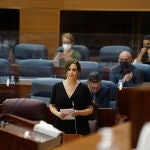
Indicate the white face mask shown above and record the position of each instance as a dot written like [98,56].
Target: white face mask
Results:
[66,47]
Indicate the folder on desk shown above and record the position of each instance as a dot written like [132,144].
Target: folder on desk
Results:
[47,129]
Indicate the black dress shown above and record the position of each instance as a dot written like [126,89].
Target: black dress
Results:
[81,99]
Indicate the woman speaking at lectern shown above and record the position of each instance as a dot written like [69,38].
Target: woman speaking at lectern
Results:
[71,102]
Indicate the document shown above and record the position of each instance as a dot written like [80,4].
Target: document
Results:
[68,113]
[47,129]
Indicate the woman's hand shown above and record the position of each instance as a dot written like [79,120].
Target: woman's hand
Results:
[66,55]
[61,115]
[143,51]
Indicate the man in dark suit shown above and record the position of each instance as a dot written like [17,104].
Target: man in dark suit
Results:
[101,94]
[125,71]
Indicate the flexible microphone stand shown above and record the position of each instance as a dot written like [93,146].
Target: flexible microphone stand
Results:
[75,119]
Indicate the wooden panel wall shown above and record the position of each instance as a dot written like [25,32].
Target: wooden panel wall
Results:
[39,20]
[40,26]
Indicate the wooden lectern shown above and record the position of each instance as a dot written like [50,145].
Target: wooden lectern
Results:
[13,135]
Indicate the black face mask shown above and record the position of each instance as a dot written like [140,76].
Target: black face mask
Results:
[125,66]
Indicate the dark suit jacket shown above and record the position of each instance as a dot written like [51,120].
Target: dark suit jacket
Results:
[103,97]
[116,74]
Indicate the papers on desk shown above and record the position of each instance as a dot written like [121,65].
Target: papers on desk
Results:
[143,142]
[68,113]
[47,129]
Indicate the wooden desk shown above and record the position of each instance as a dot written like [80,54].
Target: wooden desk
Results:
[123,101]
[14,91]
[122,139]
[12,136]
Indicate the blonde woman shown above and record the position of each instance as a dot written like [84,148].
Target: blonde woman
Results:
[67,52]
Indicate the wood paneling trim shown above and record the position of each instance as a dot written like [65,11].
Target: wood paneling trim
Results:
[41,4]
[10,4]
[106,5]
[30,4]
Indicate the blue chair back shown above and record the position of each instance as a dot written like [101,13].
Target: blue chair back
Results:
[4,51]
[36,68]
[145,68]
[30,51]
[5,70]
[42,88]
[87,67]
[109,54]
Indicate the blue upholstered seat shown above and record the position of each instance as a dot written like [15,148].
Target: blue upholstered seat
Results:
[30,51]
[42,88]
[4,51]
[109,54]
[84,51]
[5,70]
[36,68]
[87,67]
[145,68]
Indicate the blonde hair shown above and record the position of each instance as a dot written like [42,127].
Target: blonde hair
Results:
[68,36]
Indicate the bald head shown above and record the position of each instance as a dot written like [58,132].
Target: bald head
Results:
[125,56]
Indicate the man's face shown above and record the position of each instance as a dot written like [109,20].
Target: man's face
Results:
[94,87]
[125,57]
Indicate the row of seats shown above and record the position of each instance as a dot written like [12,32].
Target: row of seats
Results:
[32,68]
[108,55]
[43,68]
[36,51]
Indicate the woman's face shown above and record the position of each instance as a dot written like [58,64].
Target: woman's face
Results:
[72,72]
[146,43]
[66,44]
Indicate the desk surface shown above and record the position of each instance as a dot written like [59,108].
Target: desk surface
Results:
[14,133]
[122,138]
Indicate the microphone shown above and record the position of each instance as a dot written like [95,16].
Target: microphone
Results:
[73,104]
[75,119]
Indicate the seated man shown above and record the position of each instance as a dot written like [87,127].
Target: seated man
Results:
[125,71]
[101,94]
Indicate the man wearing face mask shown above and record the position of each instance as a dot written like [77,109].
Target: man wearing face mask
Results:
[125,71]
[144,54]
[66,52]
